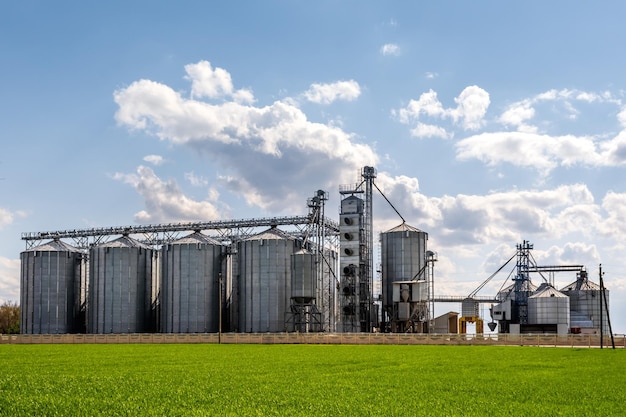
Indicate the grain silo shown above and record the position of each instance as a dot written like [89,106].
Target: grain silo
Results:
[586,305]
[403,253]
[264,280]
[548,310]
[120,288]
[50,289]
[189,291]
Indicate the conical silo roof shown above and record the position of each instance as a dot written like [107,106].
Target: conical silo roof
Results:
[547,290]
[54,246]
[581,285]
[272,233]
[404,228]
[124,242]
[194,238]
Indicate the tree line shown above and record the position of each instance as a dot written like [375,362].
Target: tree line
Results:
[9,318]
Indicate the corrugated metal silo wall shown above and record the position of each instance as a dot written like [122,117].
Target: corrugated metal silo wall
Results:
[402,257]
[304,277]
[548,310]
[587,301]
[120,290]
[49,301]
[264,284]
[189,288]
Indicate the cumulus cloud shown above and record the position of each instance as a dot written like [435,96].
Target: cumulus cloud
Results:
[328,93]
[7,217]
[472,105]
[265,152]
[529,150]
[423,130]
[207,82]
[494,217]
[154,159]
[390,49]
[195,180]
[165,201]
[9,280]
[542,152]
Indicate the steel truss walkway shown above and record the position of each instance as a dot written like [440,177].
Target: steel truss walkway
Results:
[225,230]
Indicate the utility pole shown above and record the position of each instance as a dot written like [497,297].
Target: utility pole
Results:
[601,308]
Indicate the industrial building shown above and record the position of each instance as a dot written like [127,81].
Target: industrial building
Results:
[282,274]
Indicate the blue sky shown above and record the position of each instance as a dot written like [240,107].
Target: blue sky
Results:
[489,123]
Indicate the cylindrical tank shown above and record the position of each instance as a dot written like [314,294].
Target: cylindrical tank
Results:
[120,288]
[585,303]
[189,292]
[303,277]
[548,306]
[264,280]
[50,289]
[403,250]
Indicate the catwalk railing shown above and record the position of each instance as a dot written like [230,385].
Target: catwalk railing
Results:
[570,340]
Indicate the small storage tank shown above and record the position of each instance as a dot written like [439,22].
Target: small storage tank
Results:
[585,302]
[189,291]
[264,280]
[549,306]
[50,289]
[120,288]
[403,252]
[303,277]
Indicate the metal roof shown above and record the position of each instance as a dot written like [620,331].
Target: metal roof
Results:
[124,242]
[272,233]
[582,285]
[547,290]
[195,238]
[404,228]
[54,246]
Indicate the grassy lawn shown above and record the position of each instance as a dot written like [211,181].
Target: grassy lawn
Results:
[325,380]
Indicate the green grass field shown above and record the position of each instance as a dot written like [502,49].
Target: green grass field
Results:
[308,380]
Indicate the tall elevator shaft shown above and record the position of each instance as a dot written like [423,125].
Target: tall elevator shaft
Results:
[357,312]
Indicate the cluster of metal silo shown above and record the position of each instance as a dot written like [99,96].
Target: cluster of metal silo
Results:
[121,288]
[50,289]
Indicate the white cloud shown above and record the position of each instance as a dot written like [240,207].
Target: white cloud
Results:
[472,105]
[621,117]
[154,159]
[518,114]
[9,280]
[165,201]
[207,82]
[328,93]
[500,216]
[542,152]
[423,130]
[431,75]
[195,180]
[390,49]
[7,217]
[270,151]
